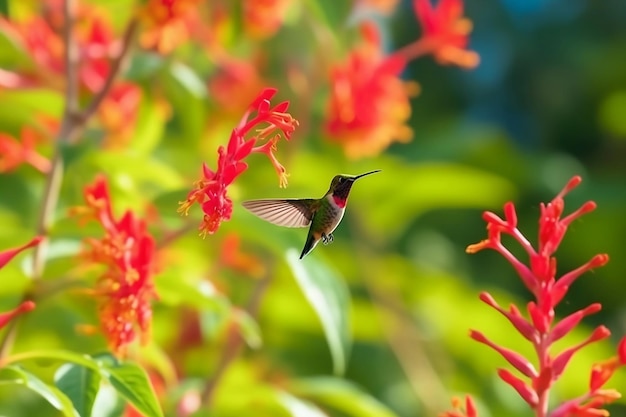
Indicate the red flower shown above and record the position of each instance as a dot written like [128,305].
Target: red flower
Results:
[263,18]
[541,328]
[5,257]
[8,254]
[167,23]
[461,409]
[126,289]
[369,104]
[118,113]
[445,33]
[210,190]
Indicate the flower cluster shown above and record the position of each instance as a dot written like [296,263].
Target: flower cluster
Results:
[167,23]
[127,252]
[211,190]
[542,328]
[5,258]
[369,104]
[40,37]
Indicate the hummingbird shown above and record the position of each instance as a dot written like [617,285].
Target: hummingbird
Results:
[322,215]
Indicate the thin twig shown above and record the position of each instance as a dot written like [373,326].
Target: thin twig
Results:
[235,341]
[116,66]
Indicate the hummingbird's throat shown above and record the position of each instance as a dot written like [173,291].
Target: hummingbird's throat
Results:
[339,202]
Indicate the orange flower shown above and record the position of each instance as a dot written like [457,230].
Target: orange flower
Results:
[369,104]
[125,290]
[445,33]
[263,18]
[167,23]
[15,152]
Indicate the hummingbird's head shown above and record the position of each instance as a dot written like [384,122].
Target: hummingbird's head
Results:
[341,184]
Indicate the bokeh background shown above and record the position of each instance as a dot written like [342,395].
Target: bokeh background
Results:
[547,102]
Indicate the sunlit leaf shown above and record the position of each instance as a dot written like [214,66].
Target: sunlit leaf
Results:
[330,298]
[81,386]
[132,383]
[50,393]
[298,407]
[342,396]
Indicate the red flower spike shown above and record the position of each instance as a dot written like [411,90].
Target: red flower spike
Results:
[526,392]
[495,220]
[6,317]
[560,362]
[518,361]
[211,190]
[544,381]
[564,326]
[8,254]
[539,319]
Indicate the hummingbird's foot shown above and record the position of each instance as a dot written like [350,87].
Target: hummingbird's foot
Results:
[327,238]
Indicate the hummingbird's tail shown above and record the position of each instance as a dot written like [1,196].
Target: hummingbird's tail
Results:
[311,241]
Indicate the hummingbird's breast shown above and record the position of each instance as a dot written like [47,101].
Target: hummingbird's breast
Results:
[331,219]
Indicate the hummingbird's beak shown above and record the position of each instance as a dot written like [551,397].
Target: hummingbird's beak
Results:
[367,173]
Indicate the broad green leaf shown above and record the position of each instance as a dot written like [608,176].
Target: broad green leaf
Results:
[342,396]
[329,296]
[298,407]
[50,393]
[132,383]
[129,380]
[81,386]
[108,403]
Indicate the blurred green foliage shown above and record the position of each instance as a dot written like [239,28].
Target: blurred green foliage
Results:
[390,336]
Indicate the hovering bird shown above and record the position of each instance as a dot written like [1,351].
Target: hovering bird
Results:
[323,215]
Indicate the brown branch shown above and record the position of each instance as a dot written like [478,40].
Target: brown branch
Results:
[72,125]
[234,341]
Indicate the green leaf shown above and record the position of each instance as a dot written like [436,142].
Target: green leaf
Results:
[329,296]
[298,407]
[131,382]
[80,384]
[341,395]
[53,395]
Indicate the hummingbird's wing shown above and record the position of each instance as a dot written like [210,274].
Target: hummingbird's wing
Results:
[288,213]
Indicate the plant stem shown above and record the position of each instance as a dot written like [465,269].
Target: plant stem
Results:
[72,125]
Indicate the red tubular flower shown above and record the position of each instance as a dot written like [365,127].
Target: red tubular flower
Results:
[369,103]
[125,290]
[542,328]
[6,317]
[445,33]
[8,254]
[211,190]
